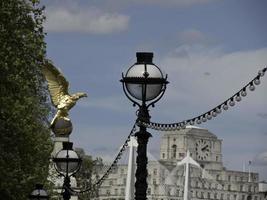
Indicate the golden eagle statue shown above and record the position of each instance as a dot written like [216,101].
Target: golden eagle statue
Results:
[58,87]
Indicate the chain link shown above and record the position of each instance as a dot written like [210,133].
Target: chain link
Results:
[171,127]
[211,113]
[95,187]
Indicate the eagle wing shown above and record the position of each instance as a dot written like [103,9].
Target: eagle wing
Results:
[57,84]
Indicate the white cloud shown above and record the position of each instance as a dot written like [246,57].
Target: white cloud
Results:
[109,103]
[178,3]
[193,36]
[261,159]
[189,65]
[84,20]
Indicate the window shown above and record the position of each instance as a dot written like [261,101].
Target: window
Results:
[241,188]
[215,196]
[202,195]
[208,195]
[229,178]
[228,196]
[229,187]
[149,191]
[110,183]
[222,195]
[122,191]
[174,148]
[116,191]
[181,155]
[217,177]
[155,171]
[163,155]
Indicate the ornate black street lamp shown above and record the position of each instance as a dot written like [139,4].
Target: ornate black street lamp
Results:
[38,193]
[144,85]
[67,163]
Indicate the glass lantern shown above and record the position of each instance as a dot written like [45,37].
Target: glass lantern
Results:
[67,161]
[38,193]
[144,80]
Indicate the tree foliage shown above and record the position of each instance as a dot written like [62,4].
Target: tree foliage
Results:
[85,175]
[25,143]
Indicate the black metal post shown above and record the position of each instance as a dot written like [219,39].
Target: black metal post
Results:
[66,194]
[141,160]
[144,78]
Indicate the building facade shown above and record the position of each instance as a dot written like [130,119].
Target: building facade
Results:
[166,178]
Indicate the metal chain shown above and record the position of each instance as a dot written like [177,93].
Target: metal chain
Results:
[174,126]
[209,114]
[92,189]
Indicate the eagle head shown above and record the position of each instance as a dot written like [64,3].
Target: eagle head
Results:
[79,95]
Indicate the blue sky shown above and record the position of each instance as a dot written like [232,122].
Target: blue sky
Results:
[208,48]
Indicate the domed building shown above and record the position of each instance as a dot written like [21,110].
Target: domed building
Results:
[210,181]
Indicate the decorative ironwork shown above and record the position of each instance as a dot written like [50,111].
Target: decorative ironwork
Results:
[144,82]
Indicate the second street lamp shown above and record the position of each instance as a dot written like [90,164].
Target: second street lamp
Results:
[144,85]
[67,163]
[38,193]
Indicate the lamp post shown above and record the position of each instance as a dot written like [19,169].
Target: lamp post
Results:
[38,193]
[144,85]
[67,163]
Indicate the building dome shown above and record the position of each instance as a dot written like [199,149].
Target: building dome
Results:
[62,127]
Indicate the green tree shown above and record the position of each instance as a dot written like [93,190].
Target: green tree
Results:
[25,143]
[85,175]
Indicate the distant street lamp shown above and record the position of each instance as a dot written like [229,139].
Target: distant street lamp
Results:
[67,163]
[38,193]
[144,85]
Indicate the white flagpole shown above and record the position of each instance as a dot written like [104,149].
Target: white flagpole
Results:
[249,171]
[186,180]
[129,193]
